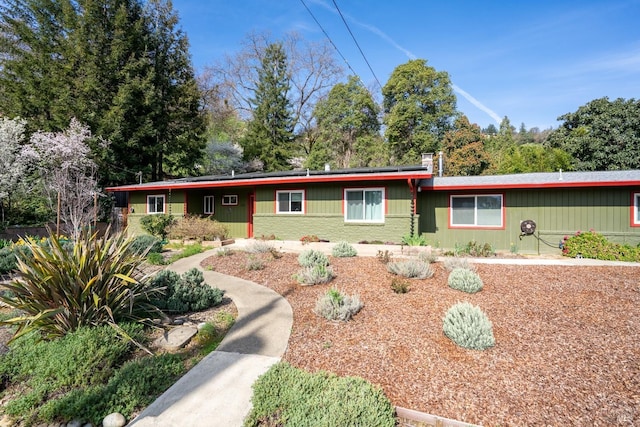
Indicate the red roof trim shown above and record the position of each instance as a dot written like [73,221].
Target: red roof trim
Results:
[545,185]
[273,181]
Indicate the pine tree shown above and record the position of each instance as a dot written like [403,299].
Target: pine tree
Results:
[270,132]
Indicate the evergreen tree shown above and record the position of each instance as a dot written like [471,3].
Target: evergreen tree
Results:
[348,127]
[270,132]
[464,149]
[419,106]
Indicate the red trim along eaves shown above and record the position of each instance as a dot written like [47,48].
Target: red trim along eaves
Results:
[272,181]
[472,187]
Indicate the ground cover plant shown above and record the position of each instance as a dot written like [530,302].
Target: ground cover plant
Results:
[286,396]
[566,339]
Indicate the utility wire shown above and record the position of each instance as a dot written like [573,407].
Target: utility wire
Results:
[329,38]
[356,42]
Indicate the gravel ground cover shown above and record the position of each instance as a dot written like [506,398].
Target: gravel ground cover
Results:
[567,339]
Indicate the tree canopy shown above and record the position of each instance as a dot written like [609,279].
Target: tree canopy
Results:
[120,66]
[601,135]
[419,106]
[464,150]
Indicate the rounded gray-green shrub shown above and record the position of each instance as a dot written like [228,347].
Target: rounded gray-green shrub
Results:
[186,292]
[334,305]
[343,249]
[412,268]
[317,274]
[312,257]
[468,326]
[465,280]
[146,243]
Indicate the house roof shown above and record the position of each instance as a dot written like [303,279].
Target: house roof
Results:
[286,177]
[559,179]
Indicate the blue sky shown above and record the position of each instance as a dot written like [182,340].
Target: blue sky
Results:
[530,61]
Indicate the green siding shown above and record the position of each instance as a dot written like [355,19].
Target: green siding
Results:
[174,205]
[235,218]
[557,212]
[324,214]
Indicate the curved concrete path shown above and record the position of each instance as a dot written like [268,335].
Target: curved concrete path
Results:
[217,391]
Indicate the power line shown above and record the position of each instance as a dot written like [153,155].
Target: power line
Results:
[329,38]
[356,42]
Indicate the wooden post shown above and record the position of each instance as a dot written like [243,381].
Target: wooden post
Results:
[95,211]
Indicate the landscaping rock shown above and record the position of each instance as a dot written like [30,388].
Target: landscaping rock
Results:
[176,338]
[75,423]
[114,420]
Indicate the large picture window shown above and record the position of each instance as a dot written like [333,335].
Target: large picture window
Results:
[290,202]
[364,205]
[155,204]
[209,206]
[482,210]
[635,219]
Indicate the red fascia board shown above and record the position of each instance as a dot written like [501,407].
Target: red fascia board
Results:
[527,186]
[272,181]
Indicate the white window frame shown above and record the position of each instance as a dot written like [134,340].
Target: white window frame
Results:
[290,192]
[230,200]
[155,204]
[635,219]
[209,205]
[475,211]
[365,190]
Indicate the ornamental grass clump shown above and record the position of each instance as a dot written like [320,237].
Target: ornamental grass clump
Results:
[312,257]
[412,268]
[334,305]
[468,326]
[97,282]
[317,274]
[451,263]
[193,227]
[343,250]
[465,280]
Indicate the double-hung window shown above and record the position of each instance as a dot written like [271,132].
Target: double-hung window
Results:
[364,205]
[635,219]
[155,204]
[290,202]
[209,206]
[482,211]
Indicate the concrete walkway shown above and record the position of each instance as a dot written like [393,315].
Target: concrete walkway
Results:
[217,391]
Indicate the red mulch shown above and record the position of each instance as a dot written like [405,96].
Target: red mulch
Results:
[567,340]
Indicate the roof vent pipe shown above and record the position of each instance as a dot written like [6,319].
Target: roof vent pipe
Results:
[327,167]
[440,164]
[560,179]
[233,173]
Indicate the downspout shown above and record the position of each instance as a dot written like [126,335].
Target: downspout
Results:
[414,195]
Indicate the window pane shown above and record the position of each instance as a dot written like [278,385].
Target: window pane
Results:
[490,210]
[283,202]
[296,202]
[355,205]
[151,204]
[637,208]
[462,210]
[373,200]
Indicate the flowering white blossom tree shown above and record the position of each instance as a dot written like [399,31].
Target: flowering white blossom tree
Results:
[68,173]
[12,164]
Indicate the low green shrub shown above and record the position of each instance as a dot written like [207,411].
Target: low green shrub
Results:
[317,274]
[468,326]
[593,245]
[157,224]
[343,249]
[185,293]
[412,268]
[135,385]
[399,286]
[465,280]
[192,227]
[287,396]
[4,243]
[8,260]
[336,306]
[312,257]
[187,251]
[414,240]
[85,357]
[146,244]
[155,258]
[451,263]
